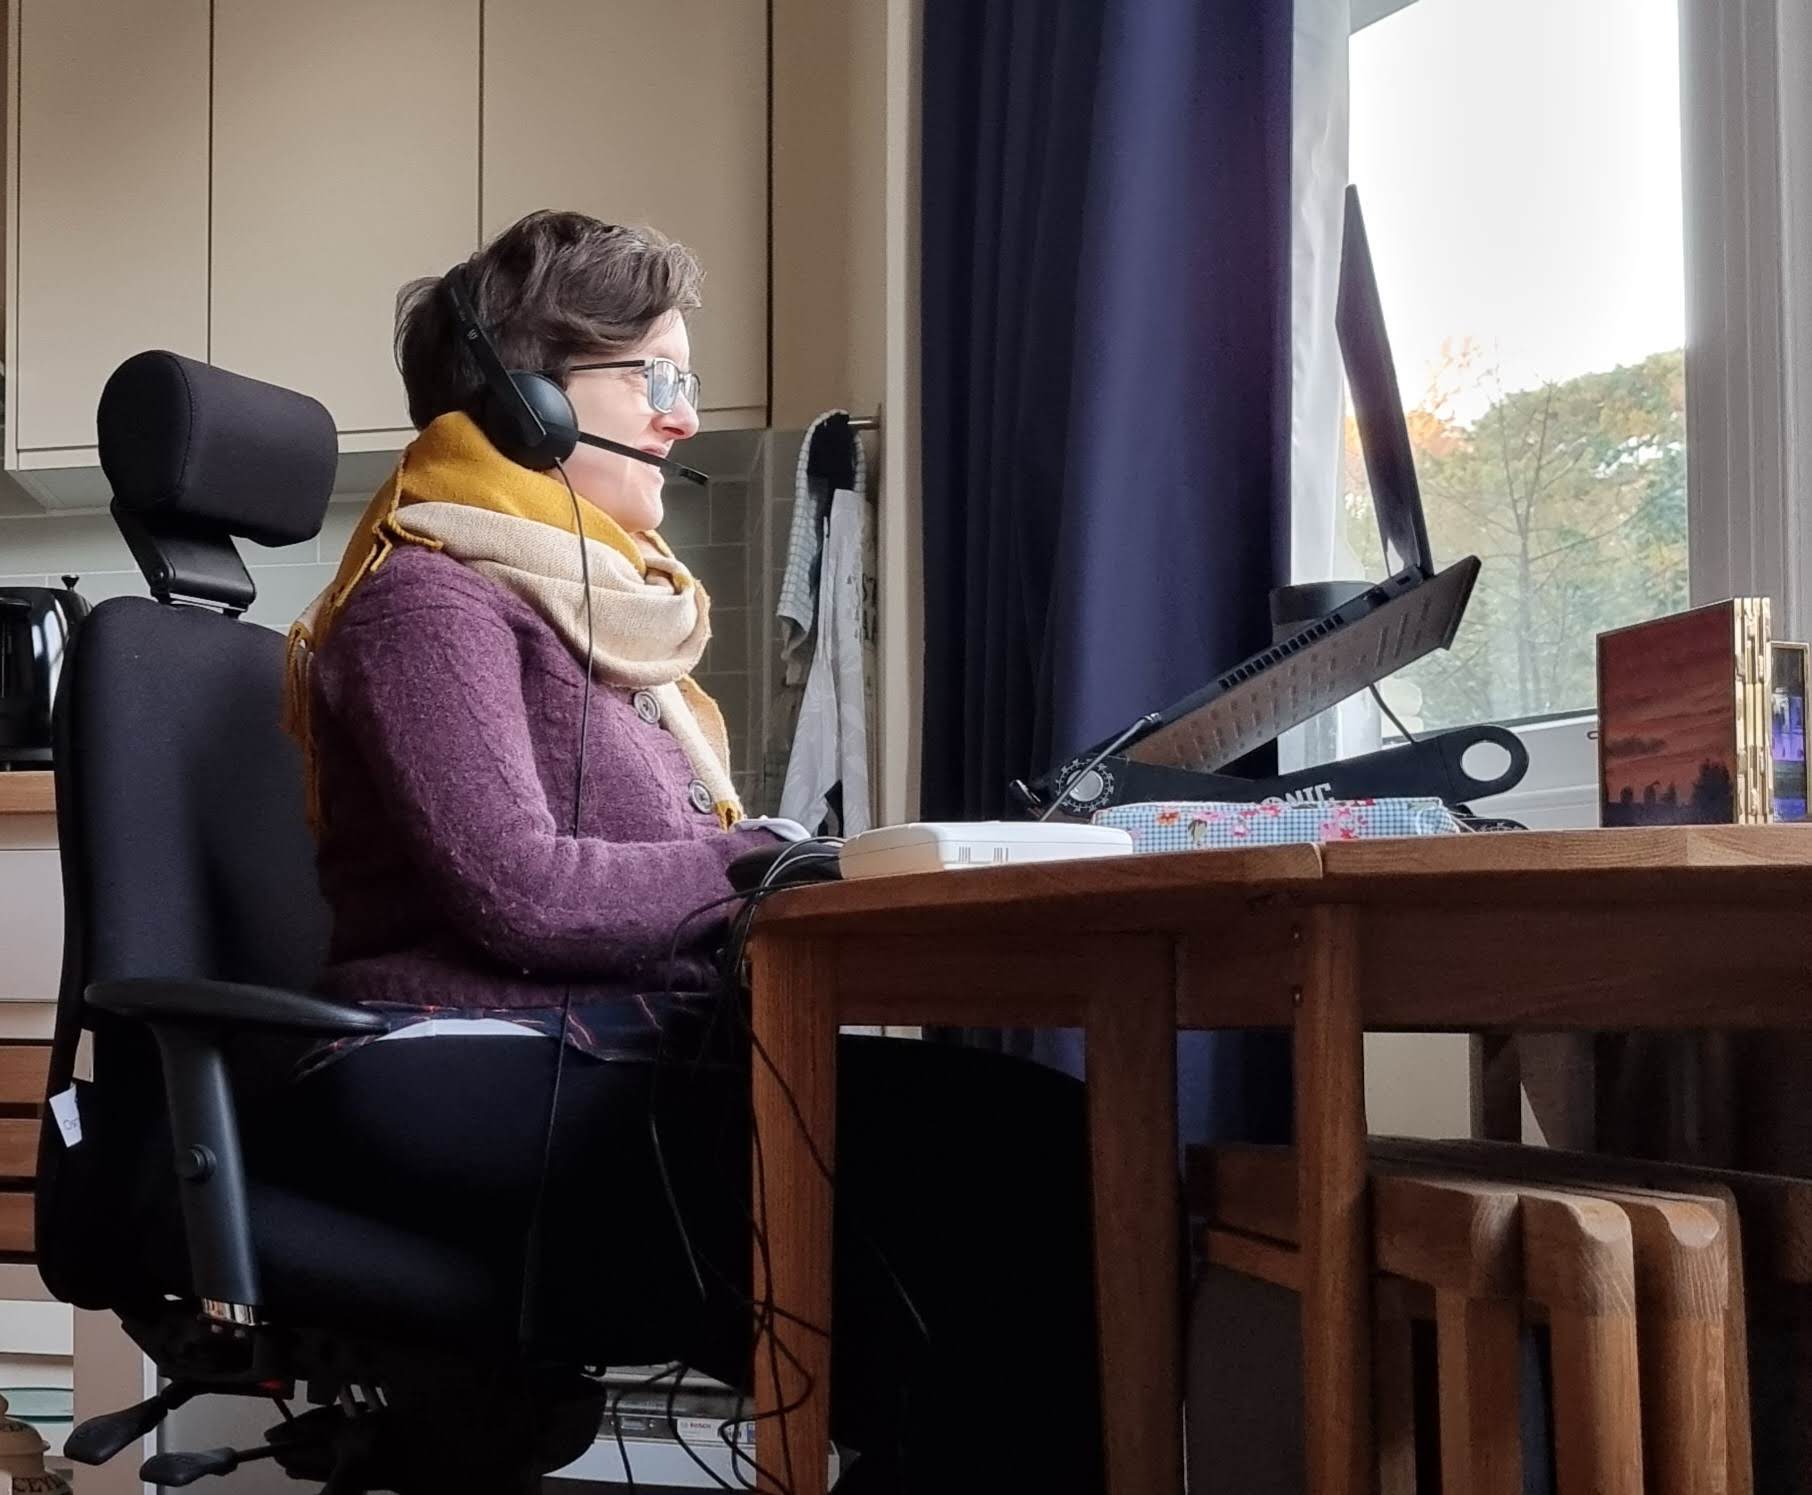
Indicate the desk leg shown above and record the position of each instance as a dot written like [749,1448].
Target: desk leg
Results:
[1336,1256]
[1132,1090]
[795,1022]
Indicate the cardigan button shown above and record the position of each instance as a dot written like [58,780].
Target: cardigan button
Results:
[646,707]
[702,798]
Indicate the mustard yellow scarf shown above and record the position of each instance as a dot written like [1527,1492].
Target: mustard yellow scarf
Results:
[647,618]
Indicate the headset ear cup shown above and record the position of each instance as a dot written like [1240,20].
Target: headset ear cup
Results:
[500,428]
[555,411]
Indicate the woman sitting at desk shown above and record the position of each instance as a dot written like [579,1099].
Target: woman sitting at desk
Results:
[537,859]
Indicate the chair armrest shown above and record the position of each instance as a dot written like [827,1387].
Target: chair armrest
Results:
[191,1021]
[228,1005]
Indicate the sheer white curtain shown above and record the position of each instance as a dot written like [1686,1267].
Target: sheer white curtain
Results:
[1318,179]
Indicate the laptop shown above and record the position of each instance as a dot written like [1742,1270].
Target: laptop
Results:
[1386,627]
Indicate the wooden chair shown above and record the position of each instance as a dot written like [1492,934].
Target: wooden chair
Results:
[1770,1245]
[1682,1299]
[1484,1249]
[1397,1305]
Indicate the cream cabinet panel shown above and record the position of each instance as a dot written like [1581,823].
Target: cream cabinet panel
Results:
[653,114]
[111,174]
[345,165]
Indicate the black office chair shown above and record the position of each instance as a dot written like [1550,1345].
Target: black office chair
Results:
[194,934]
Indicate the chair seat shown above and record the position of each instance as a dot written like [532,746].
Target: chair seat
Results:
[329,1267]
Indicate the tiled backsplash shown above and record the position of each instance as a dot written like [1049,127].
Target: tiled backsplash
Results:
[710,531]
[38,549]
[733,535]
[779,703]
[736,542]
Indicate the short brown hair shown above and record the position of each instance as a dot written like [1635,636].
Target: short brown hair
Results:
[551,290]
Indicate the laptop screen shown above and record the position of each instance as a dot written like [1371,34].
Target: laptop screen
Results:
[1377,405]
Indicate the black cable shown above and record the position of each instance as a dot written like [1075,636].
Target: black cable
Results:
[616,1427]
[740,930]
[654,1126]
[726,1434]
[680,1438]
[614,1411]
[767,1311]
[616,1414]
[729,988]
[765,1308]
[677,1372]
[590,642]
[773,1334]
[1113,745]
[829,1175]
[531,1247]
[770,1310]
[1395,720]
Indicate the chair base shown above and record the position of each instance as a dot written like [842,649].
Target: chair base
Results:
[383,1419]
[494,1440]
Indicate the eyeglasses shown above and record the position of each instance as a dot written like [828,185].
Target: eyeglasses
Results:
[667,381]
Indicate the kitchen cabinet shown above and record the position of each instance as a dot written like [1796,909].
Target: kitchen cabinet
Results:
[829,246]
[250,182]
[345,165]
[645,114]
[109,206]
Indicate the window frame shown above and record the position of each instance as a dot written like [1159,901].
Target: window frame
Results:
[1746,70]
[1746,159]
[1746,162]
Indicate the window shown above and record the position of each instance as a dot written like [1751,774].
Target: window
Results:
[1519,166]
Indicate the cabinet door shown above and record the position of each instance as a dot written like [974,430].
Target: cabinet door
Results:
[652,114]
[345,165]
[112,205]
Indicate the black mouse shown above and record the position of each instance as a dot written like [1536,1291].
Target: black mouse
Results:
[787,865]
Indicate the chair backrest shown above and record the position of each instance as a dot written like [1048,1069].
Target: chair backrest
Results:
[179,796]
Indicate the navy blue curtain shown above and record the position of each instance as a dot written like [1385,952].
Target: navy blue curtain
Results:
[1105,339]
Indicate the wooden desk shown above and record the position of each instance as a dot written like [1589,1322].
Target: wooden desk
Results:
[1675,928]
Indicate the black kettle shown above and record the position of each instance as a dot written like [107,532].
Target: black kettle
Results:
[35,628]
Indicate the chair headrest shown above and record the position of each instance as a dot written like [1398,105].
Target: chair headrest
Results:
[182,440]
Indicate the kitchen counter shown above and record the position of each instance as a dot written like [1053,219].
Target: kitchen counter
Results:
[26,792]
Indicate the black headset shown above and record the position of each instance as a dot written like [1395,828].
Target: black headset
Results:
[527,415]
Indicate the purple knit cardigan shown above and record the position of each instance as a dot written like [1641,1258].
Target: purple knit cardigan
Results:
[446,714]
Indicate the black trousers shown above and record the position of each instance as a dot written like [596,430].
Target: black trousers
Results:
[964,1357]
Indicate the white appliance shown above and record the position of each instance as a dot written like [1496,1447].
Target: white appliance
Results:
[953,845]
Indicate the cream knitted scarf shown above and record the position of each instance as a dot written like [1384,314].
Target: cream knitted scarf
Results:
[650,619]
[647,631]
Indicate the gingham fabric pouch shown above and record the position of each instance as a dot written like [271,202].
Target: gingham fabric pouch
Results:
[1195,825]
